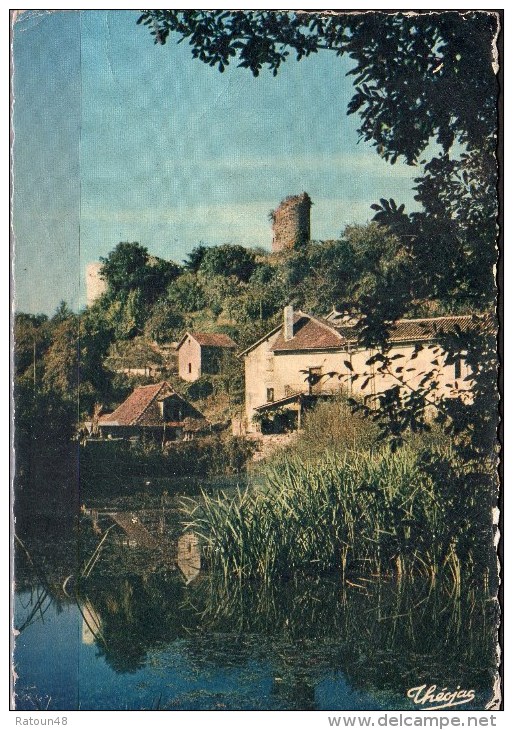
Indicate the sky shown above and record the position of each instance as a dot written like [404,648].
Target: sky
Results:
[117,139]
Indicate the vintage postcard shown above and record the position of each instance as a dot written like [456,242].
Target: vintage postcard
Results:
[255,372]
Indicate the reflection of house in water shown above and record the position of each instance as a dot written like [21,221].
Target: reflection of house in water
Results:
[154,410]
[188,556]
[91,624]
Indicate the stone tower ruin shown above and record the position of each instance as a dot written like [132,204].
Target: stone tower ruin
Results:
[95,285]
[291,222]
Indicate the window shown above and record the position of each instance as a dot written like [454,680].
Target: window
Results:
[270,395]
[457,368]
[190,368]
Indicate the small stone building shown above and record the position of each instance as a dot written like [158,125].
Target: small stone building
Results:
[154,410]
[202,353]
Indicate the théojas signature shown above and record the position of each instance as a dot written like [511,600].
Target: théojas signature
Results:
[432,698]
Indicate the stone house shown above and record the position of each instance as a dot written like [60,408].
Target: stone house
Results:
[202,353]
[156,411]
[306,358]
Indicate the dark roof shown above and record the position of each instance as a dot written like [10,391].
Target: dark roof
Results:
[298,397]
[141,407]
[209,339]
[281,402]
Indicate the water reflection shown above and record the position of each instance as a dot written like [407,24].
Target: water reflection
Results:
[188,557]
[91,624]
[147,627]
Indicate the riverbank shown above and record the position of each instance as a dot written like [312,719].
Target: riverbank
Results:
[118,467]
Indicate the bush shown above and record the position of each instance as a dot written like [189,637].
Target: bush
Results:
[329,426]
[199,389]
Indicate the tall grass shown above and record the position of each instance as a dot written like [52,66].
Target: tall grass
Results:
[358,513]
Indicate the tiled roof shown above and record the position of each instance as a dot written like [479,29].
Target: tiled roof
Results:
[132,409]
[297,316]
[211,339]
[419,330]
[309,334]
[427,329]
[313,334]
[141,408]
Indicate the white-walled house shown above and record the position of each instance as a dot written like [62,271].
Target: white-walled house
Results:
[307,357]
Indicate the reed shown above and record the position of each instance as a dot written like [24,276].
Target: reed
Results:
[377,513]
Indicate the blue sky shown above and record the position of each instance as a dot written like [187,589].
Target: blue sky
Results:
[118,139]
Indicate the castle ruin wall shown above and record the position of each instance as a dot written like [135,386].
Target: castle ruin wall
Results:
[291,222]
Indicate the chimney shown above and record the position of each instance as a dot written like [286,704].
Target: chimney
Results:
[288,323]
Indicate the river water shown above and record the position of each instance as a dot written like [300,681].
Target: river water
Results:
[148,629]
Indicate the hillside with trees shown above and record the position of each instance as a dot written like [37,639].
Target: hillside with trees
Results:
[75,360]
